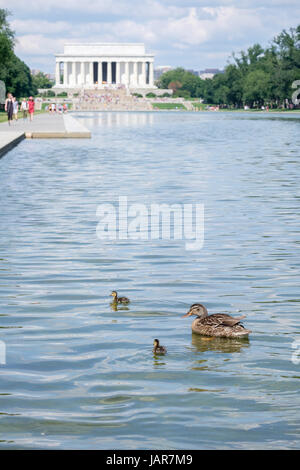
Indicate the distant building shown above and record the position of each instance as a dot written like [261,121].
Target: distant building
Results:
[209,73]
[194,72]
[100,65]
[160,69]
[34,71]
[50,76]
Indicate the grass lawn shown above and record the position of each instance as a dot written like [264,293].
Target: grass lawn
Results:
[3,115]
[168,106]
[203,106]
[200,106]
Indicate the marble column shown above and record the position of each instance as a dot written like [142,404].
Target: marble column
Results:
[109,73]
[144,73]
[118,77]
[100,74]
[65,81]
[74,73]
[151,77]
[91,73]
[135,73]
[127,77]
[82,77]
[57,74]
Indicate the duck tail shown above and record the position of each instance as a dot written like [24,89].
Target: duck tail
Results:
[232,321]
[242,332]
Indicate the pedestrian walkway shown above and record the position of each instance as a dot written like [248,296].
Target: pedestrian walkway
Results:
[43,126]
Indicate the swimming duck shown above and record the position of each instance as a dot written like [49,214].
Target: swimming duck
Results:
[119,300]
[157,348]
[218,324]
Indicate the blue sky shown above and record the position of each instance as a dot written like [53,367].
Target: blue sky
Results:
[193,33]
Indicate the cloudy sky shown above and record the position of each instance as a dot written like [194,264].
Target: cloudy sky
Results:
[193,33]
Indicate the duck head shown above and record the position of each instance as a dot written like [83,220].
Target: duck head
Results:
[114,295]
[197,309]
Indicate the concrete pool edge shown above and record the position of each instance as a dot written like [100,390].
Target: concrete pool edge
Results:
[9,140]
[58,135]
[44,126]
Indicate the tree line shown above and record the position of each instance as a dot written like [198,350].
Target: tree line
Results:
[256,77]
[13,71]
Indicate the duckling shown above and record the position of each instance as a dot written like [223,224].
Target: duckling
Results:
[218,324]
[119,300]
[157,348]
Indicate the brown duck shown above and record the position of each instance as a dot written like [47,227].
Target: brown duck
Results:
[158,349]
[119,300]
[218,324]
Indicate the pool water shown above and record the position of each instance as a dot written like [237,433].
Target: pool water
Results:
[79,373]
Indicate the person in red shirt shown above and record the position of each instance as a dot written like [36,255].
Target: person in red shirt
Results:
[31,107]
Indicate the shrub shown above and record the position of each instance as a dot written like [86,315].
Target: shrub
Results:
[151,95]
[63,94]
[182,94]
[171,106]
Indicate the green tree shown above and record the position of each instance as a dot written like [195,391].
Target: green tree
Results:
[6,43]
[13,71]
[286,47]
[19,79]
[40,80]
[256,76]
[234,81]
[190,83]
[257,88]
[175,75]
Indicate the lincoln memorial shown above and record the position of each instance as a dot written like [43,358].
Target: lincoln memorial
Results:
[97,65]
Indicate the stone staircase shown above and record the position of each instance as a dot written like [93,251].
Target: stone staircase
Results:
[111,99]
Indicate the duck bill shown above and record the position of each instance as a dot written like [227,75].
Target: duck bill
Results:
[186,315]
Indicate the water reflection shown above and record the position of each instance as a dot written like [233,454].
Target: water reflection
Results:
[111,119]
[158,360]
[224,345]
[115,307]
[90,362]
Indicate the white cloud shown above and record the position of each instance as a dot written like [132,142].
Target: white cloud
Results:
[118,8]
[38,44]
[184,30]
[40,27]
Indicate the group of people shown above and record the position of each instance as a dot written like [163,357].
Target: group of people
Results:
[106,97]
[12,108]
[58,108]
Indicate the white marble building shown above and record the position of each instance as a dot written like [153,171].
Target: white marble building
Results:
[98,65]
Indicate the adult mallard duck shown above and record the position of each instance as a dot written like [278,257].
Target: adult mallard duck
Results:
[158,349]
[119,300]
[218,324]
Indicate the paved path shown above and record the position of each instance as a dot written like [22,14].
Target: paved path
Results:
[43,126]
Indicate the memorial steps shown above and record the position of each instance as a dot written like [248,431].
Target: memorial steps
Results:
[110,100]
